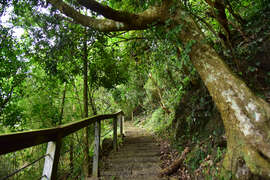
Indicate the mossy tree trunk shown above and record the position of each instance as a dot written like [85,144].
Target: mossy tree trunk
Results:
[246,117]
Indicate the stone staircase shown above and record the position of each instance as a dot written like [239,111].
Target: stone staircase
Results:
[136,159]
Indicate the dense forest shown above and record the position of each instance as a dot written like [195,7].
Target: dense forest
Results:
[194,72]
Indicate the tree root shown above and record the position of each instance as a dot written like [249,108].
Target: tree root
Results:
[175,165]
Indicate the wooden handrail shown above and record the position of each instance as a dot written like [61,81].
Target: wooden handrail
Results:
[20,140]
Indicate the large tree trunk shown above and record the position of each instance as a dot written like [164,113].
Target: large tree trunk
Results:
[246,117]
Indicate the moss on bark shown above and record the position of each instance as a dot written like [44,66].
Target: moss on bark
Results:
[245,116]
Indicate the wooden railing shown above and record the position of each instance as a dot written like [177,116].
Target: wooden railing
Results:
[53,136]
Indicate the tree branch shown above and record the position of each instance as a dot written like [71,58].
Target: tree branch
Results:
[137,22]
[108,12]
[115,35]
[125,40]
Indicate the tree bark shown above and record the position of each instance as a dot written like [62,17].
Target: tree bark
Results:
[78,99]
[245,116]
[119,21]
[71,145]
[62,104]
[92,102]
[86,165]
[71,152]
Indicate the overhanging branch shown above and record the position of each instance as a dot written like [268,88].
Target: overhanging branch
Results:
[137,22]
[127,39]
[102,25]
[108,12]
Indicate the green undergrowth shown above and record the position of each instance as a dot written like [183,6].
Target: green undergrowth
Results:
[155,121]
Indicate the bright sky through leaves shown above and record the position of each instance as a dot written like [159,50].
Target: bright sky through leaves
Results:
[4,21]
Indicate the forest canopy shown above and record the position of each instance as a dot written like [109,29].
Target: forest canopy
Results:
[177,66]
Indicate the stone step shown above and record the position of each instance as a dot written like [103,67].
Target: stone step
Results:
[128,165]
[139,177]
[137,141]
[138,149]
[140,146]
[140,138]
[154,170]
[134,153]
[138,158]
[134,159]
[126,172]
[130,171]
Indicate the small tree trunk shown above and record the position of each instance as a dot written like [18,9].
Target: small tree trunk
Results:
[77,97]
[71,152]
[92,103]
[71,164]
[168,111]
[246,117]
[86,165]
[62,104]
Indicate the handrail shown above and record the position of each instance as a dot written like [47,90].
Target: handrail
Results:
[20,140]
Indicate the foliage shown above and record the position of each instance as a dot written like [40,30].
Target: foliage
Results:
[13,69]
[146,73]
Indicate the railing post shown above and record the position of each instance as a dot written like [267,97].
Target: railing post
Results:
[120,120]
[123,124]
[95,172]
[115,133]
[51,160]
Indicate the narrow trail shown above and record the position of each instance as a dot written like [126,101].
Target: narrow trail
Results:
[136,159]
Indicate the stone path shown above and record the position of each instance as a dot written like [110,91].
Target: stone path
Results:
[136,159]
